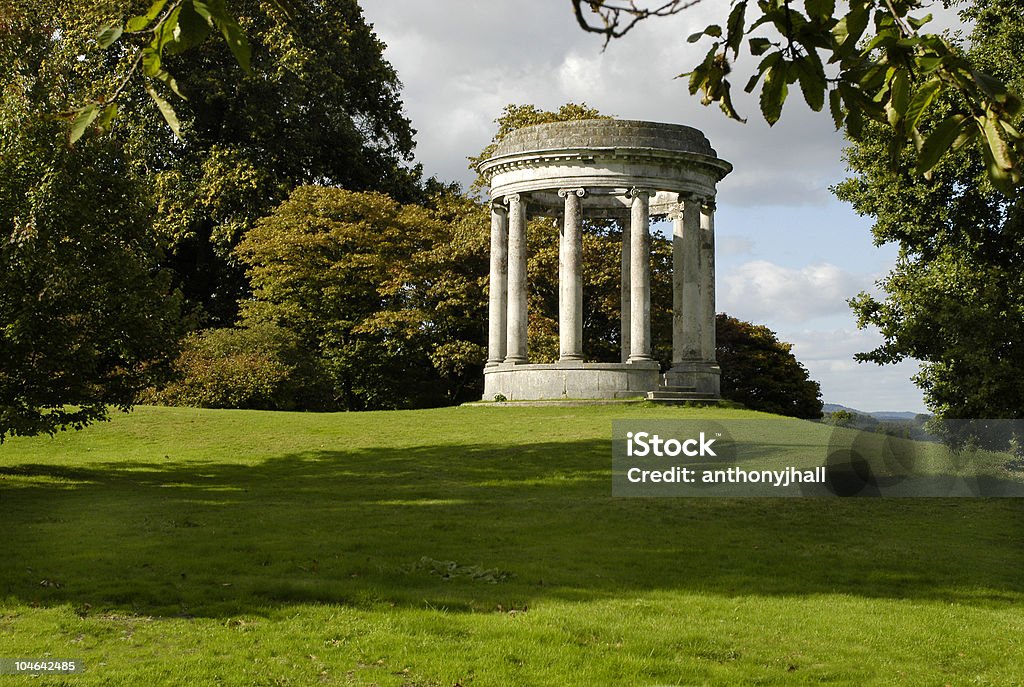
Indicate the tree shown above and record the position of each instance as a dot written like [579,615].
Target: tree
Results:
[955,299]
[761,372]
[867,58]
[262,367]
[320,105]
[86,316]
[387,297]
[298,93]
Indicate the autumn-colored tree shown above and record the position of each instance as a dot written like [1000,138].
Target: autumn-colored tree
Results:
[387,297]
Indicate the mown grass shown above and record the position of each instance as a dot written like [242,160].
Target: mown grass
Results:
[475,546]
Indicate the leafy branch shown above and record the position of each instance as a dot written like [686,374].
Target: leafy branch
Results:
[880,68]
[166,28]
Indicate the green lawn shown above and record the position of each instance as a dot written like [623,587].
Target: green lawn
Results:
[475,546]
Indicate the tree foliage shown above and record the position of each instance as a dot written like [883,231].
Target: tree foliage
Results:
[761,372]
[867,59]
[319,105]
[955,299]
[314,101]
[388,298]
[515,117]
[261,367]
[85,313]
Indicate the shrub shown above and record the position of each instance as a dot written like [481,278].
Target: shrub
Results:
[259,367]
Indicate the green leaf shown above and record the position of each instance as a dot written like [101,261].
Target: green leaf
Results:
[140,22]
[214,11]
[759,46]
[812,81]
[767,63]
[849,29]
[81,122]
[899,91]
[822,9]
[193,29]
[1002,177]
[1001,153]
[1010,129]
[107,35]
[921,101]
[107,116]
[697,78]
[927,65]
[734,36]
[712,30]
[895,148]
[854,122]
[997,91]
[150,62]
[171,83]
[918,23]
[165,31]
[166,110]
[773,92]
[881,40]
[939,141]
[725,103]
[835,106]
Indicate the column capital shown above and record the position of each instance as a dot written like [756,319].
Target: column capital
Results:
[564,192]
[499,204]
[690,197]
[710,205]
[513,197]
[635,192]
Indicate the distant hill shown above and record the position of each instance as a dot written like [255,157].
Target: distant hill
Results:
[880,415]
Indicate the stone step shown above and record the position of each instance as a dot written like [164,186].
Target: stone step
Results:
[680,389]
[664,396]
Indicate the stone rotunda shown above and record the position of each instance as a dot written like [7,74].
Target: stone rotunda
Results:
[629,171]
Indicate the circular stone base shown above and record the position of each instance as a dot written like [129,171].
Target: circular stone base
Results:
[570,380]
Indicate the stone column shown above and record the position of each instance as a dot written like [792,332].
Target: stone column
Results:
[497,336]
[625,322]
[640,276]
[707,281]
[570,278]
[686,282]
[516,346]
[693,289]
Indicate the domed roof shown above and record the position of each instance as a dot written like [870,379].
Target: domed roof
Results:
[605,133]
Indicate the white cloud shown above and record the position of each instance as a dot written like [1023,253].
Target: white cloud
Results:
[828,356]
[731,246]
[461,62]
[763,291]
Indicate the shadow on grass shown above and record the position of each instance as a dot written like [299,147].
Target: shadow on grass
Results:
[466,528]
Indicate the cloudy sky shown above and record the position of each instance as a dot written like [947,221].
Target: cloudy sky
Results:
[789,254]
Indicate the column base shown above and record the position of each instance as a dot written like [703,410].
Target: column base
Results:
[514,361]
[701,376]
[579,381]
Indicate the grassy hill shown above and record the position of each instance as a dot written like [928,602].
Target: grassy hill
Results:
[475,546]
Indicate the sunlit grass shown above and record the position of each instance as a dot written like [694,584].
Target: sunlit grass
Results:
[475,546]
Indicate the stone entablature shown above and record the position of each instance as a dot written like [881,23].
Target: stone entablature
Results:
[600,168]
